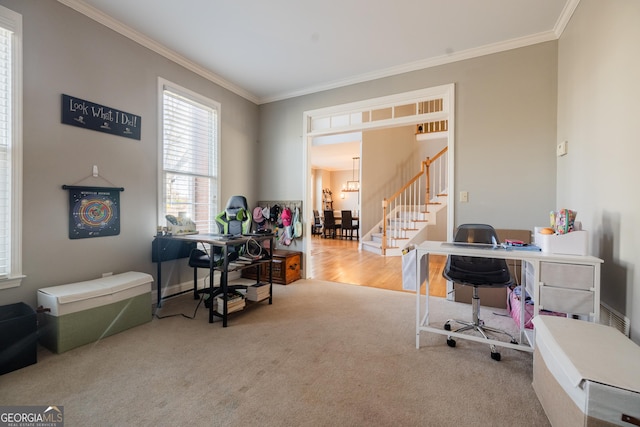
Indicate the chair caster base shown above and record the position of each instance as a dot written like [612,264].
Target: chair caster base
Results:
[495,356]
[451,342]
[447,326]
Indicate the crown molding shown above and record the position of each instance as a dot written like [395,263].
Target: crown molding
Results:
[109,22]
[565,16]
[422,64]
[100,17]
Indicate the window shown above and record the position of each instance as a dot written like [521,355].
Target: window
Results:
[10,148]
[189,181]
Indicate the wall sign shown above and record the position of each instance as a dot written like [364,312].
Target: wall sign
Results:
[88,115]
[93,211]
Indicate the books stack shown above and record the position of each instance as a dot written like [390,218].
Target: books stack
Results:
[258,292]
[235,302]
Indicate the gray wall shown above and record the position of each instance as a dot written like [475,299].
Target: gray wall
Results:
[66,52]
[598,93]
[505,135]
[397,165]
[506,111]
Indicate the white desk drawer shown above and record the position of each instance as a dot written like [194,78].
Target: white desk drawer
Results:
[566,300]
[574,276]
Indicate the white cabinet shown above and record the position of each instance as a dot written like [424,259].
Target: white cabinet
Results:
[566,287]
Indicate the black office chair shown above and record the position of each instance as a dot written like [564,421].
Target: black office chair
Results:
[477,272]
[347,225]
[235,220]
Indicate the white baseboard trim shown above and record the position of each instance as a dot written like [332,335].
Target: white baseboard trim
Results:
[177,288]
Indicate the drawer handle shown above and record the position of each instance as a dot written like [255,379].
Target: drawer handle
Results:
[293,266]
[629,419]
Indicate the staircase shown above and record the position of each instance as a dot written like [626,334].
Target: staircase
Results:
[409,214]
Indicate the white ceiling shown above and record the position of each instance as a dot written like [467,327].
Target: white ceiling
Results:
[270,50]
[277,49]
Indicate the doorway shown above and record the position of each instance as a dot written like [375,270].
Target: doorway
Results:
[405,109]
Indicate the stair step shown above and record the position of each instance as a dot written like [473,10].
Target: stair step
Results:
[372,243]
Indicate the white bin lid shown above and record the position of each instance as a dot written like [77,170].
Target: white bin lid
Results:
[98,287]
[590,351]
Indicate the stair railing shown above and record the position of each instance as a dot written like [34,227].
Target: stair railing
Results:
[411,202]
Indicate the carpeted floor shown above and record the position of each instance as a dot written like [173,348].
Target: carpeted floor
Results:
[323,354]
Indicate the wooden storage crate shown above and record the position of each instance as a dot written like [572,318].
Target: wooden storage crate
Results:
[286,268]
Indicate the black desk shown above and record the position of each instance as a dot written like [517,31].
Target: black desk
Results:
[167,248]
[164,248]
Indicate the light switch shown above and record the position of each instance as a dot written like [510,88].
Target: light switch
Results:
[464,196]
[561,149]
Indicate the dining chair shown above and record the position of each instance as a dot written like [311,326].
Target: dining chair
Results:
[330,227]
[348,226]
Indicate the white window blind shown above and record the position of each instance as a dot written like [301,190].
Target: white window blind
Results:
[10,148]
[190,147]
[5,152]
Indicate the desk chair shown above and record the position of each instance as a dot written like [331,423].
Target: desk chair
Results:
[235,219]
[477,272]
[347,225]
[330,226]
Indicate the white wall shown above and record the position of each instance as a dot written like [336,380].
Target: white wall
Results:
[599,116]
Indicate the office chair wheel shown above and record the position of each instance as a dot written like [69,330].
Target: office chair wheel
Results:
[495,356]
[451,342]
[514,341]
[447,326]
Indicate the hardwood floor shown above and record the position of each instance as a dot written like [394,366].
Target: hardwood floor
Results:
[339,260]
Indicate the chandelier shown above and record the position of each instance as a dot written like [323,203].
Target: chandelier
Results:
[353,185]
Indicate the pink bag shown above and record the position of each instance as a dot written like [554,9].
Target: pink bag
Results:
[513,306]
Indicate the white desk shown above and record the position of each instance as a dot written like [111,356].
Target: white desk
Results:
[567,283]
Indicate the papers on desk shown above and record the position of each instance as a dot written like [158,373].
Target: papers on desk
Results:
[489,246]
[532,248]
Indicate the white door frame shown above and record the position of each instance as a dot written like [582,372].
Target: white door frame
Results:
[348,118]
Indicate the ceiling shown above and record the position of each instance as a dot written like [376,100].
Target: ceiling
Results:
[267,51]
[277,49]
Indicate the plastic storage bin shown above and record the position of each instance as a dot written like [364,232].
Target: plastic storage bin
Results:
[85,312]
[18,337]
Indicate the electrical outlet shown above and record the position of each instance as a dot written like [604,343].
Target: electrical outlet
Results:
[464,196]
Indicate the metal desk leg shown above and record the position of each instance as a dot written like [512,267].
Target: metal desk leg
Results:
[159,284]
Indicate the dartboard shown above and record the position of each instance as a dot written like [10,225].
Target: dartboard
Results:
[93,213]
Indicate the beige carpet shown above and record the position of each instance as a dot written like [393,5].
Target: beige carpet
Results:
[324,354]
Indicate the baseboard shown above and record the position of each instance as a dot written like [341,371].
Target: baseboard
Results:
[178,288]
